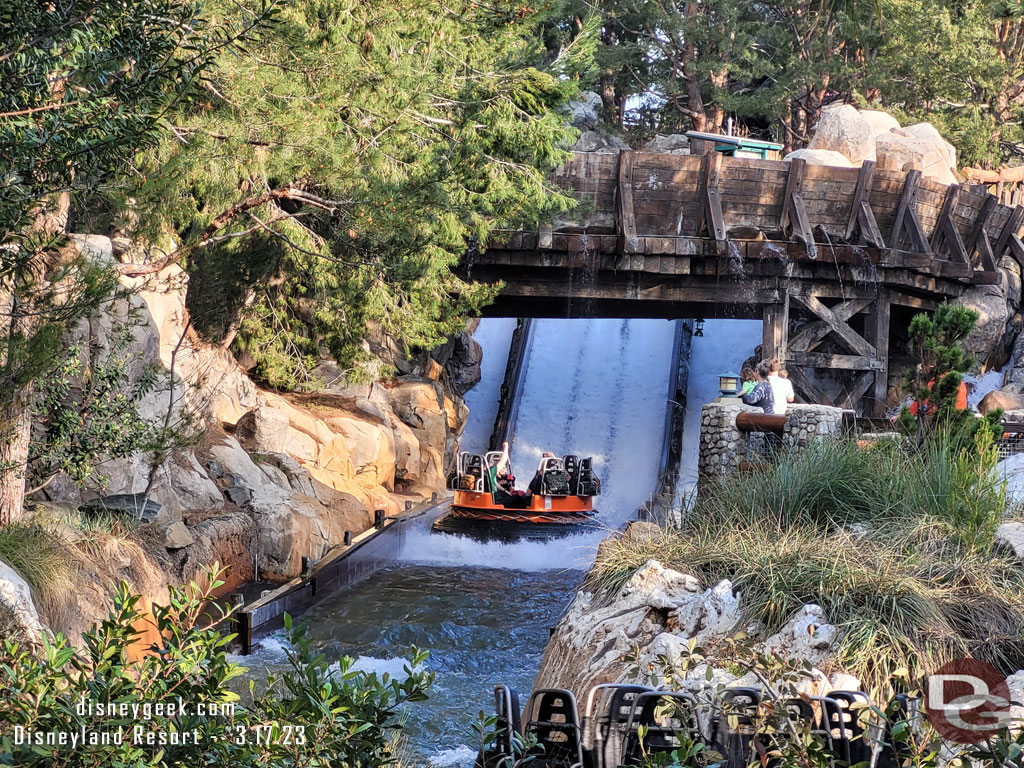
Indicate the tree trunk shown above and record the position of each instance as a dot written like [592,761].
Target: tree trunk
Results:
[15,429]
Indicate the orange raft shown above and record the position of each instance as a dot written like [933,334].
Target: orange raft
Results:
[559,500]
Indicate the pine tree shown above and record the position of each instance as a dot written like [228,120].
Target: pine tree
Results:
[337,173]
[83,86]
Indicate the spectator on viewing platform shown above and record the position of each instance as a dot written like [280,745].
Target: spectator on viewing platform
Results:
[749,380]
[782,388]
[761,395]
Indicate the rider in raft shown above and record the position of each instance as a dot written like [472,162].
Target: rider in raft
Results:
[502,484]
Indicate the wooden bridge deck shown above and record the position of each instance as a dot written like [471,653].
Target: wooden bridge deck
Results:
[706,235]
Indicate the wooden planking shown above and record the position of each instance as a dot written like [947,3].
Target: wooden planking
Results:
[847,176]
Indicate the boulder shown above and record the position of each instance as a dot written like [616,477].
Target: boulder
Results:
[584,112]
[598,141]
[673,144]
[177,536]
[301,525]
[420,405]
[227,451]
[658,613]
[880,122]
[194,488]
[1010,540]
[371,448]
[928,132]
[988,335]
[1000,399]
[1014,379]
[819,157]
[16,598]
[842,129]
[262,429]
[898,152]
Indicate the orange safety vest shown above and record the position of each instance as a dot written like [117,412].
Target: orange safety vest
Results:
[961,397]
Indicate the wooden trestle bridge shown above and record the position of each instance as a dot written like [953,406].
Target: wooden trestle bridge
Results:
[833,260]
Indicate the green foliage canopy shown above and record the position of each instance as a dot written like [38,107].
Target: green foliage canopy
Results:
[336,174]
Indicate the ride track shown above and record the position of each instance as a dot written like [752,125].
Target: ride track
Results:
[828,258]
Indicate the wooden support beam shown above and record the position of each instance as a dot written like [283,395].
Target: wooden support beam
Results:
[860,386]
[545,237]
[978,230]
[946,237]
[709,198]
[774,329]
[877,331]
[794,213]
[812,333]
[807,389]
[627,214]
[1017,250]
[861,215]
[1012,228]
[906,221]
[844,333]
[839,362]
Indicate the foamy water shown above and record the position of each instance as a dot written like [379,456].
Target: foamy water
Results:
[595,388]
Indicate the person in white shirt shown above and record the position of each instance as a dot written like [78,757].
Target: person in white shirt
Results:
[782,388]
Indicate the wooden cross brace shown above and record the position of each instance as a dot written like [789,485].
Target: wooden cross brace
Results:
[906,222]
[946,238]
[793,219]
[709,198]
[861,215]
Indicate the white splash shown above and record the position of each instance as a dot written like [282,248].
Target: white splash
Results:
[394,668]
[457,757]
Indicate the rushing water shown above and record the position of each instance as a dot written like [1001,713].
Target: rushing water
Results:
[481,627]
[592,387]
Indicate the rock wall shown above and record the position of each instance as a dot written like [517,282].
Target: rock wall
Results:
[724,448]
[261,478]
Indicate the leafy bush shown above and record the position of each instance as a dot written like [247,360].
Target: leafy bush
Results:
[313,714]
[894,542]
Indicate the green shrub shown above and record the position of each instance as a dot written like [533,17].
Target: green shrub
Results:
[313,714]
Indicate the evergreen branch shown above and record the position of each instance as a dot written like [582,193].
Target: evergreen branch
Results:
[209,235]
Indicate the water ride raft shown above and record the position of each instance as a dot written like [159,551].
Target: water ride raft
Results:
[559,500]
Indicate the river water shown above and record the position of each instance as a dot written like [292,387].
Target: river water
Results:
[484,610]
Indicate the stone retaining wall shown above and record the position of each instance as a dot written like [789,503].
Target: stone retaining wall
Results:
[724,448]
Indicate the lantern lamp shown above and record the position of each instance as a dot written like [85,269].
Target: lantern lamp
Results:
[699,327]
[728,383]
